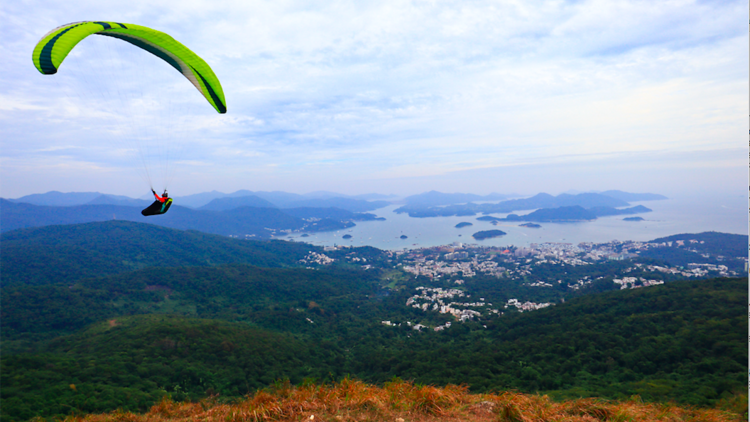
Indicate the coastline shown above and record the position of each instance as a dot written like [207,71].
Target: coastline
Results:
[669,217]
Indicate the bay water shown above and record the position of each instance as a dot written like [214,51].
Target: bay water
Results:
[696,214]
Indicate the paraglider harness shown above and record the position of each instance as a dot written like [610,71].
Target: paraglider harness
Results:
[160,206]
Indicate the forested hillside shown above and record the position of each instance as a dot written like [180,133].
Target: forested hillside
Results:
[687,247]
[64,254]
[682,341]
[265,296]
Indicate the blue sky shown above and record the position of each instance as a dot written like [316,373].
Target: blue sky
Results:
[390,96]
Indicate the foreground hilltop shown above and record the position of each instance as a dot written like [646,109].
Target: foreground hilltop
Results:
[350,400]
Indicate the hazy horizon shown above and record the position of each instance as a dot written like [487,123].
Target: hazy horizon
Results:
[392,196]
[394,97]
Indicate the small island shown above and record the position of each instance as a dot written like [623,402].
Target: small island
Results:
[633,219]
[488,234]
[305,235]
[403,236]
[347,236]
[463,224]
[530,225]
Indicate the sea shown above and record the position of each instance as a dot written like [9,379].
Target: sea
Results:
[669,217]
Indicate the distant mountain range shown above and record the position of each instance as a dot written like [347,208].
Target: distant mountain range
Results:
[264,214]
[541,200]
[322,199]
[225,204]
[218,201]
[255,222]
[633,197]
[69,199]
[435,198]
[242,213]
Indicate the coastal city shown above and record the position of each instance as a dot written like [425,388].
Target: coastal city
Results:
[547,265]
[517,263]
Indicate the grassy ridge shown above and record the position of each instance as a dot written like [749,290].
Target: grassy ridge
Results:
[351,400]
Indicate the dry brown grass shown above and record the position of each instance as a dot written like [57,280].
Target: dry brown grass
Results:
[400,401]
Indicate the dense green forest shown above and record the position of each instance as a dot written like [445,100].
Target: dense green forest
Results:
[235,293]
[132,362]
[660,343]
[110,315]
[64,254]
[682,341]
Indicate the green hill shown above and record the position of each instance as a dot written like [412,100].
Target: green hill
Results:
[714,243]
[701,248]
[65,254]
[239,292]
[131,363]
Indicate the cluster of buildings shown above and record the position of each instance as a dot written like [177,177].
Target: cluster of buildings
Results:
[516,263]
[447,301]
[526,306]
[435,299]
[635,282]
[466,261]
[316,258]
[413,326]
[437,268]
[693,270]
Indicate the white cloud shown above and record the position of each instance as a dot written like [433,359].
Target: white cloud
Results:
[346,90]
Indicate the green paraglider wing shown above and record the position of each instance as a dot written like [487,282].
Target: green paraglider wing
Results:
[52,49]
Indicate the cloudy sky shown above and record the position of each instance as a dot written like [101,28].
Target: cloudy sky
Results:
[390,96]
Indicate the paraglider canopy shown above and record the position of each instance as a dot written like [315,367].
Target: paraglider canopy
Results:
[52,49]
